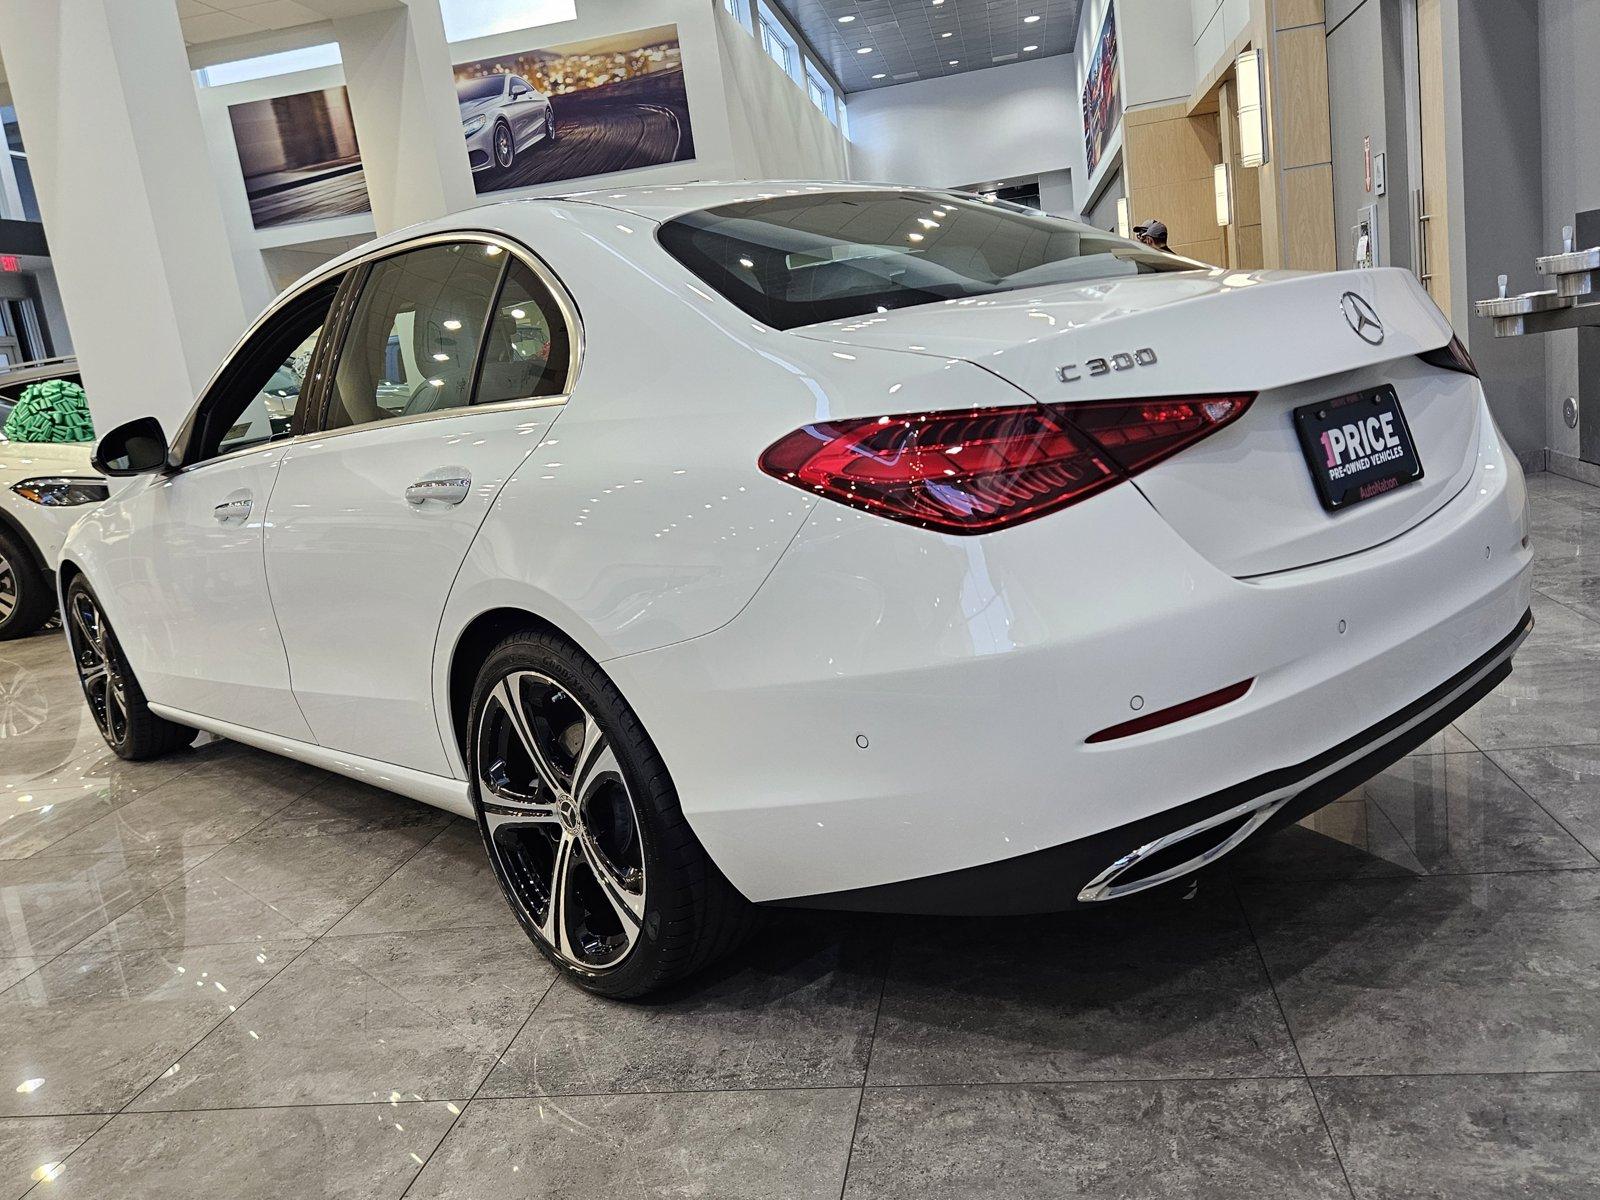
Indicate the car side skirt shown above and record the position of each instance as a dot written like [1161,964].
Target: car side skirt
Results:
[1190,837]
[452,795]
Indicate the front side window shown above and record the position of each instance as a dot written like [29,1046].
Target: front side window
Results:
[414,337]
[255,398]
[825,256]
[470,91]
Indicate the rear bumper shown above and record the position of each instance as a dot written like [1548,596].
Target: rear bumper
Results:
[895,706]
[1175,844]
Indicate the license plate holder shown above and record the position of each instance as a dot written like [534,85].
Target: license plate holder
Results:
[1358,447]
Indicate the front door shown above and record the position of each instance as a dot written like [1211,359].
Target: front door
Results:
[185,584]
[453,369]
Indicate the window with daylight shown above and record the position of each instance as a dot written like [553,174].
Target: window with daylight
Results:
[739,10]
[821,93]
[267,65]
[779,43]
[21,203]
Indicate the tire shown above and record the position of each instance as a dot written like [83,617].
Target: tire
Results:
[550,130]
[114,696]
[503,147]
[26,601]
[639,903]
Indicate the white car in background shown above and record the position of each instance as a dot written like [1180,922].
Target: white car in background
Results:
[501,116]
[814,545]
[43,490]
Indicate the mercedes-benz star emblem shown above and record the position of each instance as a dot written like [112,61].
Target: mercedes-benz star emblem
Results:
[1363,319]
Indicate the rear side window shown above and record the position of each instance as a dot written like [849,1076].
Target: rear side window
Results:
[414,337]
[528,350]
[825,256]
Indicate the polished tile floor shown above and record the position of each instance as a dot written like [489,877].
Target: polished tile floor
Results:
[225,975]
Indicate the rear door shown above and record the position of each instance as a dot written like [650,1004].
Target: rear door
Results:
[458,354]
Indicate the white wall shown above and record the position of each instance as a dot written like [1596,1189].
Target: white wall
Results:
[1215,24]
[1020,119]
[775,132]
[1157,47]
[1570,34]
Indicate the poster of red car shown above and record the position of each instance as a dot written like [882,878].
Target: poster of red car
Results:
[1102,94]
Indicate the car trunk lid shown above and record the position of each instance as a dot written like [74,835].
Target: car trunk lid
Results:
[1244,497]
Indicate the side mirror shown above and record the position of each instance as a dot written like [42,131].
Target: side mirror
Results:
[137,448]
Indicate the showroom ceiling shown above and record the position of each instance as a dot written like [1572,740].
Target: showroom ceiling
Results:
[876,43]
[213,20]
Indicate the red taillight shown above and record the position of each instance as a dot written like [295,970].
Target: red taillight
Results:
[985,469]
[1138,434]
[1453,357]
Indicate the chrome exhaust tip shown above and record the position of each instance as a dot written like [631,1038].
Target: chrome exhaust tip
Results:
[1147,867]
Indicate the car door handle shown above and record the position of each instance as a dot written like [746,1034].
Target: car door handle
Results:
[234,509]
[446,491]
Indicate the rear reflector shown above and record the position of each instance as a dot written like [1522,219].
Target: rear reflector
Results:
[979,470]
[1171,716]
[1453,357]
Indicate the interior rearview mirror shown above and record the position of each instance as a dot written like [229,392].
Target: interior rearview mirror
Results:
[136,448]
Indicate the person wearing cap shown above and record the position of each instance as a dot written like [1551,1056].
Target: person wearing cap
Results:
[1153,234]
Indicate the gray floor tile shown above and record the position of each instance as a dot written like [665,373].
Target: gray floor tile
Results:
[1351,839]
[1566,781]
[32,1149]
[344,806]
[413,1015]
[1163,991]
[360,1152]
[1460,812]
[92,1030]
[30,821]
[14,969]
[1174,1141]
[206,806]
[796,1011]
[749,1145]
[1556,704]
[1560,635]
[1486,973]
[50,904]
[1503,1137]
[253,891]
[446,885]
[1448,740]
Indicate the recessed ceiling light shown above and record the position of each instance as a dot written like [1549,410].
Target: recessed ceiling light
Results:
[1029,49]
[865,50]
[881,75]
[951,34]
[936,3]
[846,20]
[955,62]
[1029,20]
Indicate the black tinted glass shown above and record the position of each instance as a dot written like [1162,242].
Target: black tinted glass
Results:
[469,90]
[826,256]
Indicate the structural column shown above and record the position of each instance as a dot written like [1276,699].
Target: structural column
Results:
[402,95]
[150,285]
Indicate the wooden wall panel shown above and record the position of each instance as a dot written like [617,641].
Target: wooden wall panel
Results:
[1293,13]
[1304,128]
[1308,224]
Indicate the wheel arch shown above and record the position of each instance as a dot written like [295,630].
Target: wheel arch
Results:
[472,646]
[14,529]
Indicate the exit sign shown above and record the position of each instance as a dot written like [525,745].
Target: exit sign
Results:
[9,264]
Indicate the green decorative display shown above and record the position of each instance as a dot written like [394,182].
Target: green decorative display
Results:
[53,411]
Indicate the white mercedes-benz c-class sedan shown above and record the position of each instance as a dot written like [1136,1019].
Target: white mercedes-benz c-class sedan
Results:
[813,544]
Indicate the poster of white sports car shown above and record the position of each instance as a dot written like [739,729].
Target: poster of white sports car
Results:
[566,112]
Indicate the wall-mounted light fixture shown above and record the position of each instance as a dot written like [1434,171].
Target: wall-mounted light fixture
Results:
[1124,219]
[1252,118]
[1222,183]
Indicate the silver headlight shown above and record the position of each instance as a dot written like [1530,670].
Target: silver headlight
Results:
[61,491]
[472,124]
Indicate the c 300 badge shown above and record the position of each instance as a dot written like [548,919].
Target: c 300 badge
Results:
[1096,367]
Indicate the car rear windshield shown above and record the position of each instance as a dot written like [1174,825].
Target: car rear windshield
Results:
[801,259]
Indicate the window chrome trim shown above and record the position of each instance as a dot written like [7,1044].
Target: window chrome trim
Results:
[443,414]
[568,307]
